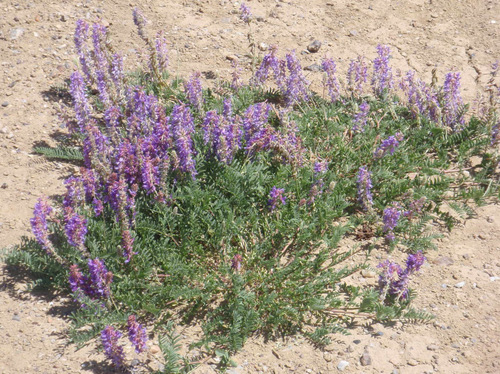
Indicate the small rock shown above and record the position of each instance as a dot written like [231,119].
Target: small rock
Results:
[353,33]
[378,333]
[489,219]
[155,349]
[365,359]
[313,67]
[5,103]
[328,356]
[444,286]
[432,347]
[342,365]
[232,58]
[365,273]
[16,33]
[4,185]
[412,362]
[492,279]
[443,261]
[263,47]
[314,46]
[459,284]
[16,317]
[357,341]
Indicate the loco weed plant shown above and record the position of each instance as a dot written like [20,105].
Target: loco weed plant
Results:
[230,209]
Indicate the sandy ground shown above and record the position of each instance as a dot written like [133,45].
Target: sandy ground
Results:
[36,53]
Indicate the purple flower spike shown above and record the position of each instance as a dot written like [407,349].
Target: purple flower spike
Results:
[357,76]
[137,334]
[415,262]
[161,52]
[246,15]
[75,228]
[76,278]
[389,145]
[114,351]
[276,195]
[391,218]
[320,167]
[80,102]
[271,61]
[100,277]
[361,117]
[453,115]
[127,245]
[236,262]
[382,72]
[140,21]
[330,80]
[39,225]
[182,129]
[194,91]
[364,188]
[81,36]
[296,84]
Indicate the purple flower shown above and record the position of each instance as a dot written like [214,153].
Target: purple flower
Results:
[80,102]
[296,84]
[140,21]
[236,82]
[389,145]
[315,191]
[254,120]
[194,91]
[416,207]
[320,167]
[82,48]
[415,262]
[40,228]
[276,195]
[245,15]
[270,61]
[391,218]
[182,126]
[364,183]
[75,228]
[453,115]
[100,277]
[127,245]
[422,99]
[382,72]
[357,76]
[361,117]
[330,80]
[116,71]
[137,334]
[394,280]
[495,134]
[114,351]
[76,278]
[161,52]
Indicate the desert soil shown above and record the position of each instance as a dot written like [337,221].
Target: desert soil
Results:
[459,285]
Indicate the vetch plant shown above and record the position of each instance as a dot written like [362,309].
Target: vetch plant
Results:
[215,207]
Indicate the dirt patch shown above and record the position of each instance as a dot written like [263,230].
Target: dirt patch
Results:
[37,53]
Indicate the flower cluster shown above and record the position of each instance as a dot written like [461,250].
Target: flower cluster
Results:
[394,280]
[364,183]
[194,91]
[112,349]
[330,81]
[96,285]
[453,115]
[382,80]
[388,145]
[75,228]
[275,196]
[245,15]
[357,76]
[361,117]
[137,334]
[391,218]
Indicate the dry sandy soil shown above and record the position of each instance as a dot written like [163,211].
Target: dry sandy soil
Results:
[460,283]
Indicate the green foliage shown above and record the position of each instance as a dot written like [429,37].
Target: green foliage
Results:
[60,153]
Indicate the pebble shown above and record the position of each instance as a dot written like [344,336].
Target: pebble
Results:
[365,359]
[16,317]
[357,341]
[5,103]
[412,362]
[263,47]
[365,273]
[443,261]
[432,347]
[342,365]
[492,279]
[314,46]
[16,33]
[328,357]
[313,67]
[4,185]
[353,33]
[460,284]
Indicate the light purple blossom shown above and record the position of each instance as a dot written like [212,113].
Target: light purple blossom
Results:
[452,112]
[80,38]
[182,126]
[320,167]
[39,226]
[75,228]
[113,350]
[330,80]
[296,84]
[194,91]
[140,21]
[80,101]
[391,218]
[137,334]
[246,15]
[357,76]
[388,145]
[360,118]
[275,196]
[161,52]
[382,73]
[364,184]
[100,277]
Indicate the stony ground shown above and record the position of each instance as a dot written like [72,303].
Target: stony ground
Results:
[460,283]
